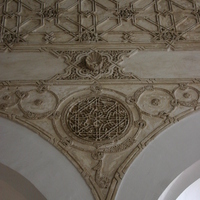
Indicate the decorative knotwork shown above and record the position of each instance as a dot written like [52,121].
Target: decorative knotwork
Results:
[94,65]
[170,24]
[126,13]
[97,119]
[49,13]
[10,38]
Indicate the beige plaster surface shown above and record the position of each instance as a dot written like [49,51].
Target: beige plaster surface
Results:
[162,64]
[29,66]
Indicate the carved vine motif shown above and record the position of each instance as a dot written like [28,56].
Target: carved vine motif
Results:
[97,119]
[102,181]
[94,65]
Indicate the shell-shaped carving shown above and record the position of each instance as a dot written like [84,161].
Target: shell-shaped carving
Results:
[94,61]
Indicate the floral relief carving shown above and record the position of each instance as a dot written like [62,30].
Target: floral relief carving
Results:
[93,111]
[99,121]
[92,65]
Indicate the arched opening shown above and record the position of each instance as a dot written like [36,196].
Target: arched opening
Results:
[173,151]
[39,162]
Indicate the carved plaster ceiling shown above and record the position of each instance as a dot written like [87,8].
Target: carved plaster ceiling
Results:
[96,113]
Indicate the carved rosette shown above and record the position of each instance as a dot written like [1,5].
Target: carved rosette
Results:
[7,98]
[187,96]
[154,101]
[38,104]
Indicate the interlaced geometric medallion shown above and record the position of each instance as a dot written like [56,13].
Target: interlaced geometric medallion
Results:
[97,119]
[95,112]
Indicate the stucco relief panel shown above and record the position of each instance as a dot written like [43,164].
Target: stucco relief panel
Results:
[147,24]
[99,116]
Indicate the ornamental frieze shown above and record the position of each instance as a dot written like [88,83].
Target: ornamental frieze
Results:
[149,24]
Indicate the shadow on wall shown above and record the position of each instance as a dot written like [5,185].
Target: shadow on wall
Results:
[39,162]
[15,186]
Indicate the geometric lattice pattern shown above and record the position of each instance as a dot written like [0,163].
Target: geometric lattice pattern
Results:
[148,24]
[97,119]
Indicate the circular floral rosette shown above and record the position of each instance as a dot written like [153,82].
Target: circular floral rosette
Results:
[37,105]
[154,101]
[187,96]
[7,98]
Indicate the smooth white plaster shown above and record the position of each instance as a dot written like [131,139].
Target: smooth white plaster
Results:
[174,150]
[39,162]
[180,183]
[192,192]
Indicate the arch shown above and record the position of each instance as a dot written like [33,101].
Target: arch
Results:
[174,150]
[15,186]
[180,183]
[192,192]
[39,162]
